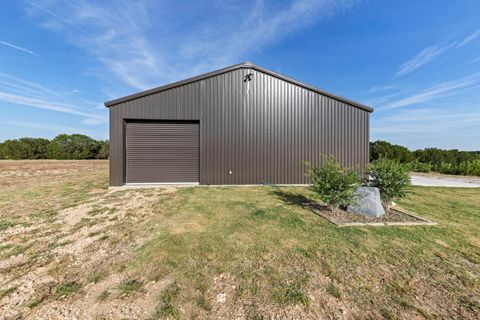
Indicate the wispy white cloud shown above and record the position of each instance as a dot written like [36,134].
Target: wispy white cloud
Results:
[427,120]
[11,45]
[21,86]
[442,126]
[422,58]
[93,121]
[14,90]
[252,28]
[381,88]
[120,35]
[45,126]
[48,105]
[435,92]
[114,33]
[430,53]
[469,38]
[49,130]
[47,11]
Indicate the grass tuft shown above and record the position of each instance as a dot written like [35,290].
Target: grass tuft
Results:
[6,292]
[166,306]
[293,292]
[35,302]
[66,289]
[258,213]
[203,303]
[97,277]
[48,215]
[103,296]
[387,314]
[5,224]
[333,290]
[53,245]
[127,287]
[304,252]
[254,315]
[94,233]
[16,250]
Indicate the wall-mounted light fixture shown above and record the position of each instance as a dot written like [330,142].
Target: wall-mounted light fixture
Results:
[248,77]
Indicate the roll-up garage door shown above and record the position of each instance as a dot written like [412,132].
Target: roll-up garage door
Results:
[162,152]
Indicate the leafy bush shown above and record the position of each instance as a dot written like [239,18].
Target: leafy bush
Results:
[73,146]
[445,167]
[430,159]
[64,146]
[383,149]
[421,167]
[471,168]
[103,149]
[392,179]
[24,148]
[437,156]
[334,184]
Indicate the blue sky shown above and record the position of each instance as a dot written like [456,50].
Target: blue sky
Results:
[416,62]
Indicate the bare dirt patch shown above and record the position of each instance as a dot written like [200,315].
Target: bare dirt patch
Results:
[58,265]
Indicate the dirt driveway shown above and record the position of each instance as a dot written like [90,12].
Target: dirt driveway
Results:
[67,227]
[443,180]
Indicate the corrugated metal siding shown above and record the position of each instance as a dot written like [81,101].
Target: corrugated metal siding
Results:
[262,130]
[162,152]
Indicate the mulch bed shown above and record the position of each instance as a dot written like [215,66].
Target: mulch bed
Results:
[395,216]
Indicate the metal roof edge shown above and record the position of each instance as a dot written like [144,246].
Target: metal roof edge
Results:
[245,64]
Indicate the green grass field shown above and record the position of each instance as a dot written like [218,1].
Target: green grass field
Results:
[272,250]
[246,252]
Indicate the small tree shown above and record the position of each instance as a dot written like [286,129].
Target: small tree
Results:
[334,184]
[72,146]
[24,148]
[392,179]
[103,149]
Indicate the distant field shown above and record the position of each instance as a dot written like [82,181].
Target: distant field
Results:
[70,248]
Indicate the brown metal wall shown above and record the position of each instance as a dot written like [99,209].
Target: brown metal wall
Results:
[261,130]
[162,152]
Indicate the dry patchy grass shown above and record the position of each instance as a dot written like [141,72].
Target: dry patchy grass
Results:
[72,248]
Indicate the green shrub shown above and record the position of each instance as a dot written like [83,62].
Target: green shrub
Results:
[392,179]
[383,149]
[64,146]
[421,167]
[437,156]
[445,167]
[103,149]
[429,159]
[333,184]
[471,168]
[24,148]
[72,146]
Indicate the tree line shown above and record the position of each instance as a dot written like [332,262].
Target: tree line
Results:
[429,159]
[78,146]
[63,146]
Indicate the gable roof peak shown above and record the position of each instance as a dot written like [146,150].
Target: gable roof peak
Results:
[245,64]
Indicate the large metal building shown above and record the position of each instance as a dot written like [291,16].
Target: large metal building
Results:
[238,125]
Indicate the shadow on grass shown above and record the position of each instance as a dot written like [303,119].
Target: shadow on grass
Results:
[290,197]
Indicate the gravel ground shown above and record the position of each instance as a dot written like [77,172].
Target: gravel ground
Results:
[342,216]
[441,180]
